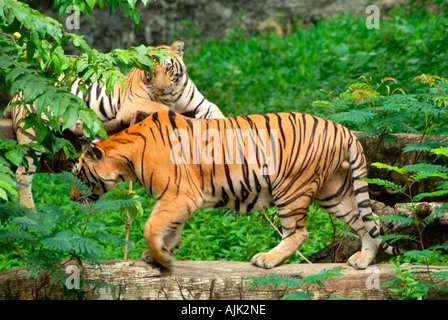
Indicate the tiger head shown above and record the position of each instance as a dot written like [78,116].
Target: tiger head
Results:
[93,169]
[167,75]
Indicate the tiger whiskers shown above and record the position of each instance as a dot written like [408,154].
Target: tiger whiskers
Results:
[278,231]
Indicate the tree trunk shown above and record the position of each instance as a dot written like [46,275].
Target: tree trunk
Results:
[203,280]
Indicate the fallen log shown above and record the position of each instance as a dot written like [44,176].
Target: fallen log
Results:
[436,232]
[203,280]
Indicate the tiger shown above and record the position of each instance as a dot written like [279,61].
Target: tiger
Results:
[244,163]
[170,87]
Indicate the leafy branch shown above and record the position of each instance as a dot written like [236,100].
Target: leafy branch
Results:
[33,62]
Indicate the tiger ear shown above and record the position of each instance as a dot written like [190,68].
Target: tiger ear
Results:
[178,48]
[91,151]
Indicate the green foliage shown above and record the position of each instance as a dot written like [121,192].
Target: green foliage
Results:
[10,153]
[405,283]
[43,238]
[266,72]
[382,109]
[305,285]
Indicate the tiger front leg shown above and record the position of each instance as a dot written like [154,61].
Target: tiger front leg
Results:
[130,111]
[162,234]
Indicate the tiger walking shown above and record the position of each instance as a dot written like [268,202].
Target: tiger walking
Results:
[244,163]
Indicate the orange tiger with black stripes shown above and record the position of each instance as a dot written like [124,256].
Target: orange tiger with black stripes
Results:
[169,88]
[244,163]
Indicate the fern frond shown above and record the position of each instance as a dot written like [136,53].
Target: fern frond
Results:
[388,184]
[318,280]
[298,295]
[421,171]
[118,204]
[277,281]
[58,243]
[419,254]
[431,80]
[396,219]
[441,210]
[398,102]
[17,236]
[386,79]
[412,146]
[28,223]
[380,165]
[80,244]
[433,194]
[76,183]
[355,117]
[391,238]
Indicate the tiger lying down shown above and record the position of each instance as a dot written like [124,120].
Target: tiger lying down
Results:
[244,163]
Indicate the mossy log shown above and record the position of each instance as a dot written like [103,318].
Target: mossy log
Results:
[203,280]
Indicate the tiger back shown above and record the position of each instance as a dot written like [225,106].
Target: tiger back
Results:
[244,163]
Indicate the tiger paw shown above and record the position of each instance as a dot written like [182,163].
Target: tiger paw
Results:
[146,256]
[264,260]
[162,258]
[359,260]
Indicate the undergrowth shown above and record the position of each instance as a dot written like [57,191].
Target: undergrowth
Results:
[405,283]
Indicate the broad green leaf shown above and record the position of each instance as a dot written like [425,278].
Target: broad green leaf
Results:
[91,3]
[7,185]
[3,194]
[70,117]
[15,155]
[44,101]
[34,88]
[6,61]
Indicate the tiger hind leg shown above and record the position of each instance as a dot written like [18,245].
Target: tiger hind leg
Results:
[292,218]
[337,197]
